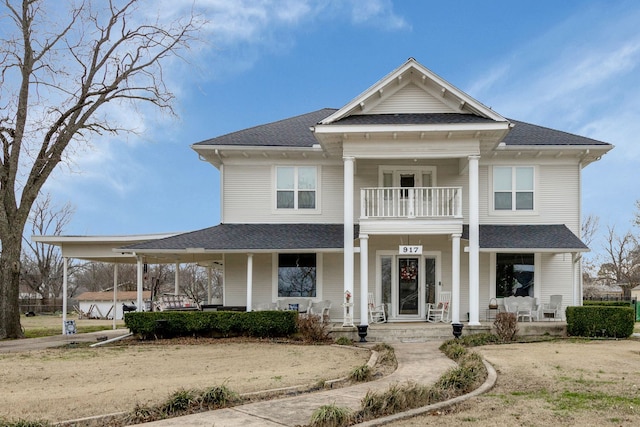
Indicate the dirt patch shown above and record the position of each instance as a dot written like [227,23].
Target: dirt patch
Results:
[62,384]
[587,383]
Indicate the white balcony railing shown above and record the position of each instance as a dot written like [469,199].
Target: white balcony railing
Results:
[414,202]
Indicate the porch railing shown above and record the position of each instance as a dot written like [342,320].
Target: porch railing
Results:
[413,202]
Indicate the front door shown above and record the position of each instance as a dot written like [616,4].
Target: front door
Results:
[406,283]
[408,301]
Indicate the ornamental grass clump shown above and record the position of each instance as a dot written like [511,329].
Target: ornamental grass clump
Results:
[361,374]
[331,416]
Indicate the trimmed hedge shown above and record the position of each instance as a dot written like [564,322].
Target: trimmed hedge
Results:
[166,324]
[600,321]
[607,303]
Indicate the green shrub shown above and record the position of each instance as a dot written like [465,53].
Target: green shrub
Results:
[167,324]
[330,416]
[607,303]
[600,321]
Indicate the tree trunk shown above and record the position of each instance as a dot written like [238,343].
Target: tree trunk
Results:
[10,285]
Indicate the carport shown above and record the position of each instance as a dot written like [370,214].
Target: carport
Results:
[109,249]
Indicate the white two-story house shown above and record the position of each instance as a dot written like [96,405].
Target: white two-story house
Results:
[410,190]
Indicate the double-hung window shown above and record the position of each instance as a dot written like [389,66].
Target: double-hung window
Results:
[513,188]
[296,187]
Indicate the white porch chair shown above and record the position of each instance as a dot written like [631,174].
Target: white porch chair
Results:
[552,310]
[524,311]
[321,308]
[440,311]
[377,312]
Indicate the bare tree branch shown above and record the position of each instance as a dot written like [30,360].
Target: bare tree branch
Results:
[59,71]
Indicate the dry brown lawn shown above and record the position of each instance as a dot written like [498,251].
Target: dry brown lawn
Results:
[560,383]
[61,384]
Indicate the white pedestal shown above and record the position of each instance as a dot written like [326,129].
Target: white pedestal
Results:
[348,315]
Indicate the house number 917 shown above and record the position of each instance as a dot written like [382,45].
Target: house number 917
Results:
[410,250]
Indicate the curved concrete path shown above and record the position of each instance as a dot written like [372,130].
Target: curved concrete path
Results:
[419,362]
[422,363]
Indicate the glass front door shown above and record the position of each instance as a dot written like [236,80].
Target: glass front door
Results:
[408,286]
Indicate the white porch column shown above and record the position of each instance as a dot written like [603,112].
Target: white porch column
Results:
[65,285]
[209,282]
[115,294]
[474,242]
[249,280]
[364,279]
[140,276]
[455,278]
[348,224]
[176,280]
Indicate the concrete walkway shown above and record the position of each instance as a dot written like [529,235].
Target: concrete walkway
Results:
[422,363]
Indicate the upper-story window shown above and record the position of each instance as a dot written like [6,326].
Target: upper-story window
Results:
[296,187]
[513,188]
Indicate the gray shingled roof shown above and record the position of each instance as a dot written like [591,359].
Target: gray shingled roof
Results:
[528,134]
[291,132]
[538,236]
[229,237]
[253,237]
[295,132]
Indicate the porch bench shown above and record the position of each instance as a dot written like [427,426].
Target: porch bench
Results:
[301,304]
[522,306]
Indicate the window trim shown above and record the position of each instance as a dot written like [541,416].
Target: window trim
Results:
[513,210]
[274,277]
[397,170]
[296,190]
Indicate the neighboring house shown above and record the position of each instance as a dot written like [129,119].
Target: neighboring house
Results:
[411,189]
[635,293]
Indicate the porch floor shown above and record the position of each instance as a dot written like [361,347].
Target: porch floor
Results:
[425,331]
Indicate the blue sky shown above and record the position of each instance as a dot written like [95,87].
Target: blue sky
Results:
[570,65]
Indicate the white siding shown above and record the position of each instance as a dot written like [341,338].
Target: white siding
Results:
[249,196]
[557,279]
[557,197]
[411,99]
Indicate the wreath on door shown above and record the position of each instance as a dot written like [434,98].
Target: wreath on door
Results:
[408,272]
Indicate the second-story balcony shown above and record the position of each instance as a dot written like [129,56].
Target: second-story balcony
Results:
[412,202]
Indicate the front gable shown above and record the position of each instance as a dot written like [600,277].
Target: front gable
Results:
[411,110]
[412,88]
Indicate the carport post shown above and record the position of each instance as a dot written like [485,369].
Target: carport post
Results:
[65,285]
[115,294]
[140,275]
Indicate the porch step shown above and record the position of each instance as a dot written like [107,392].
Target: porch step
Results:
[427,332]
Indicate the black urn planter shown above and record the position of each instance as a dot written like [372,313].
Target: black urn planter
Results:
[362,332]
[457,329]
